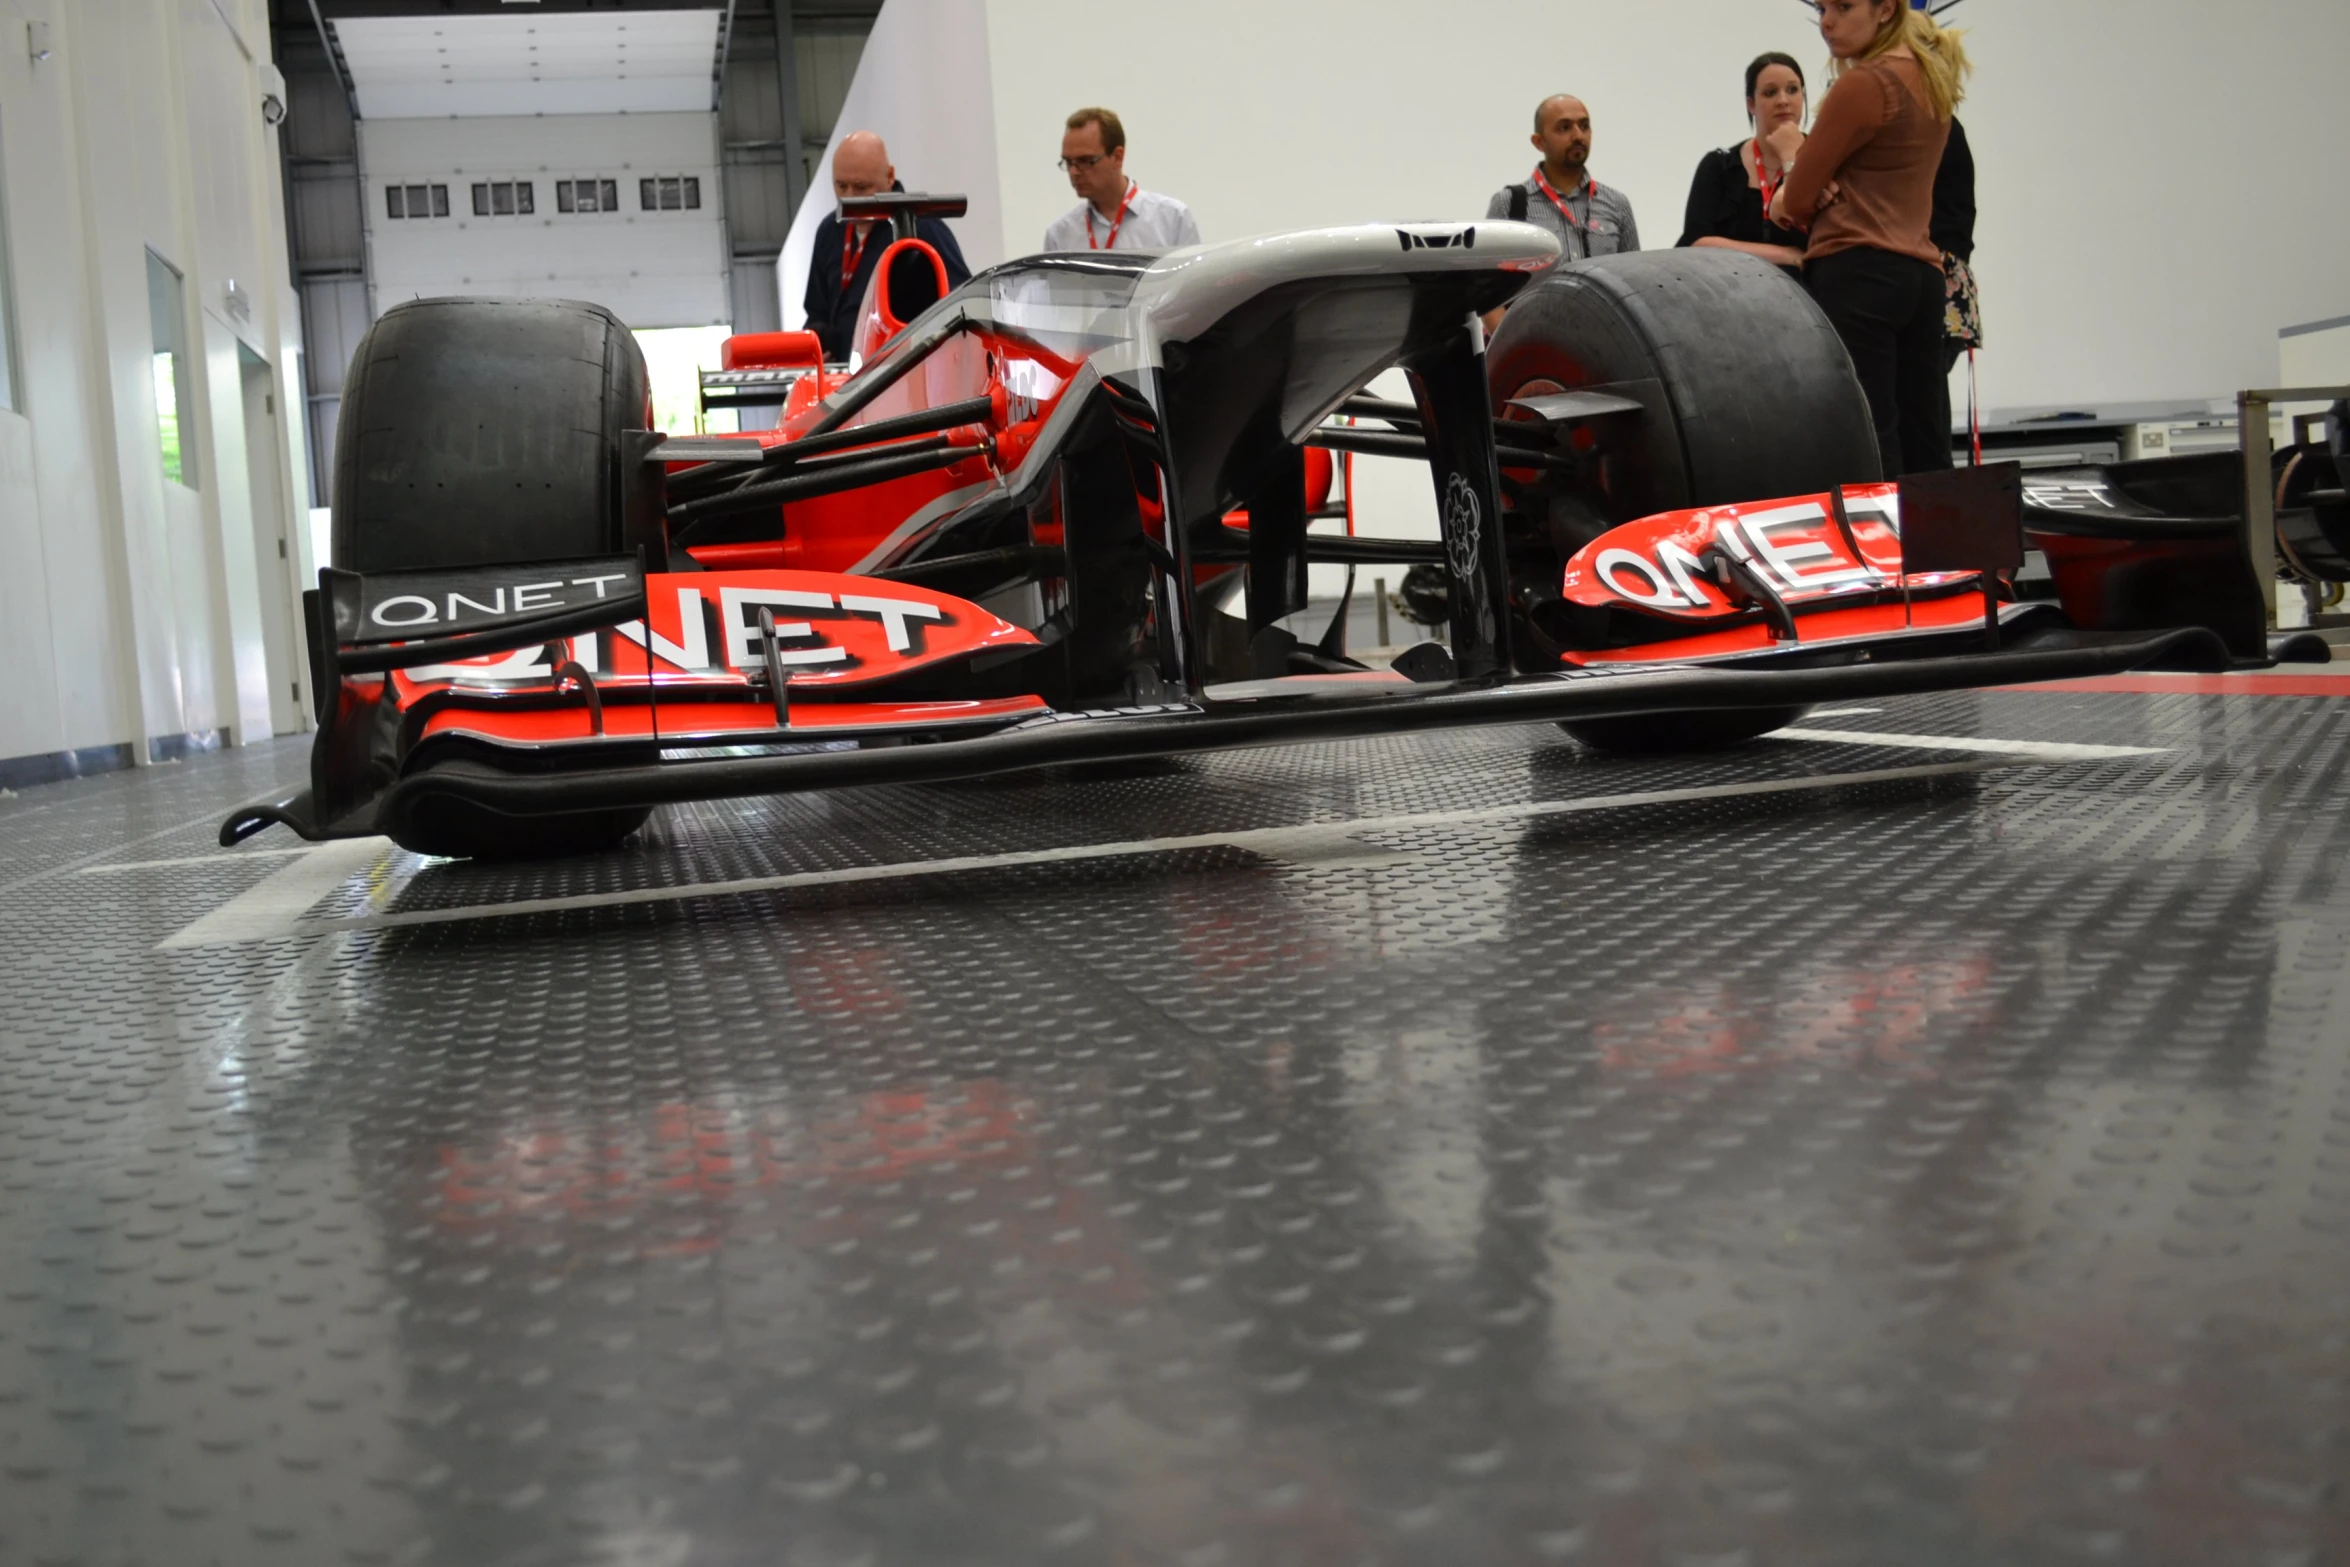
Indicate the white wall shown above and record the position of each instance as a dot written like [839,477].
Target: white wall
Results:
[1265,117]
[2315,354]
[131,606]
[923,85]
[2156,176]
[2160,191]
[652,269]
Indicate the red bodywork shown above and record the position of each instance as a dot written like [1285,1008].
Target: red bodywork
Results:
[1836,592]
[787,634]
[698,655]
[699,650]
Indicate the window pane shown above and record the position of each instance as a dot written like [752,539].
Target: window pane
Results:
[693,193]
[611,198]
[174,399]
[419,201]
[502,198]
[524,197]
[646,198]
[395,201]
[440,201]
[481,201]
[563,197]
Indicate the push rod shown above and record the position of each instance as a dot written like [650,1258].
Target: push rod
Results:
[830,481]
[947,416]
[1379,443]
[1508,432]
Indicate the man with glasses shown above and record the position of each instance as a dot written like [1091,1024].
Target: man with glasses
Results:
[841,262]
[1113,213]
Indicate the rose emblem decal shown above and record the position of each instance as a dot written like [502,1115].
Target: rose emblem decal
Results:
[1462,520]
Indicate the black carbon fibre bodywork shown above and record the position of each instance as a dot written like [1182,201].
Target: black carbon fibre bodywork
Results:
[1190,391]
[1339,712]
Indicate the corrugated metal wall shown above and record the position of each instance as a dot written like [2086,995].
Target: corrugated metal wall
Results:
[757,147]
[325,180]
[325,234]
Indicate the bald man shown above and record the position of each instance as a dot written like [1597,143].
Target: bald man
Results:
[1590,219]
[840,267]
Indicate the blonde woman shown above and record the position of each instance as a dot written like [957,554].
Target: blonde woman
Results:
[1863,185]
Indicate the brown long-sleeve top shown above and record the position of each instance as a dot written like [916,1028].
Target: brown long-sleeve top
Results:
[1878,137]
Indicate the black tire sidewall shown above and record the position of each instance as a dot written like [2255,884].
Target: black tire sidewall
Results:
[485,432]
[1760,399]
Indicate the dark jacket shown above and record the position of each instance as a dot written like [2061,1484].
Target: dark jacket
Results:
[832,310]
[1954,196]
[1723,206]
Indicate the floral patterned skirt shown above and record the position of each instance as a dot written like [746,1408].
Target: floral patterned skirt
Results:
[1962,317]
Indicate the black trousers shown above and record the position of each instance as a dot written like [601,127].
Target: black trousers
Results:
[1889,311]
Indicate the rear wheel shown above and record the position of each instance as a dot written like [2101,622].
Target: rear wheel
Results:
[482,432]
[1748,394]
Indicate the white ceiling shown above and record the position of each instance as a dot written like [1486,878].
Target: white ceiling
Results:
[422,67]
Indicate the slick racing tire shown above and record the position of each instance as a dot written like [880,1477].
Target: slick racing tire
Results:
[484,432]
[1749,394]
[1749,391]
[461,831]
[1676,734]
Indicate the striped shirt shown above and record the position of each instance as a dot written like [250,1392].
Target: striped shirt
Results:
[1605,210]
[1153,222]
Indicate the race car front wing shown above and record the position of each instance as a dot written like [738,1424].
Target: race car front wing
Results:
[563,740]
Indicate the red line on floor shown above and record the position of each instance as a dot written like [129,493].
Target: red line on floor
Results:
[2200,685]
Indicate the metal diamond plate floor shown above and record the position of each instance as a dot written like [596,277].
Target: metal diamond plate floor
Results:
[1924,1140]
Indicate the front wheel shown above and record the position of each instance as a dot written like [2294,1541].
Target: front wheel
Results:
[484,432]
[479,432]
[467,832]
[1675,734]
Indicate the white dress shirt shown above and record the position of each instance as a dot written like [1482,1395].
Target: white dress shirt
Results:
[1153,222]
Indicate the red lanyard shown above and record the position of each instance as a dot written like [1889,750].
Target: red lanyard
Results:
[1132,190]
[1590,194]
[851,259]
[1762,177]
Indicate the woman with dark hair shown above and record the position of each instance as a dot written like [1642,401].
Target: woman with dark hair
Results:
[1729,200]
[1872,264]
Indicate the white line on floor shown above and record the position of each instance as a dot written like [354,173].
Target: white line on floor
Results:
[208,820]
[277,907]
[273,907]
[1844,712]
[223,857]
[1308,845]
[2038,750]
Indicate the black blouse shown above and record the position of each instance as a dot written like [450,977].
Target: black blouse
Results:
[1724,205]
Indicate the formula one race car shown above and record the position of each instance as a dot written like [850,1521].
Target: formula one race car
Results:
[1060,514]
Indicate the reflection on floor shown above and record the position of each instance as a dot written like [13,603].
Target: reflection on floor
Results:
[1852,1148]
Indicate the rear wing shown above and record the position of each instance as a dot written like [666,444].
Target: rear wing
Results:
[902,210]
[749,388]
[760,369]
